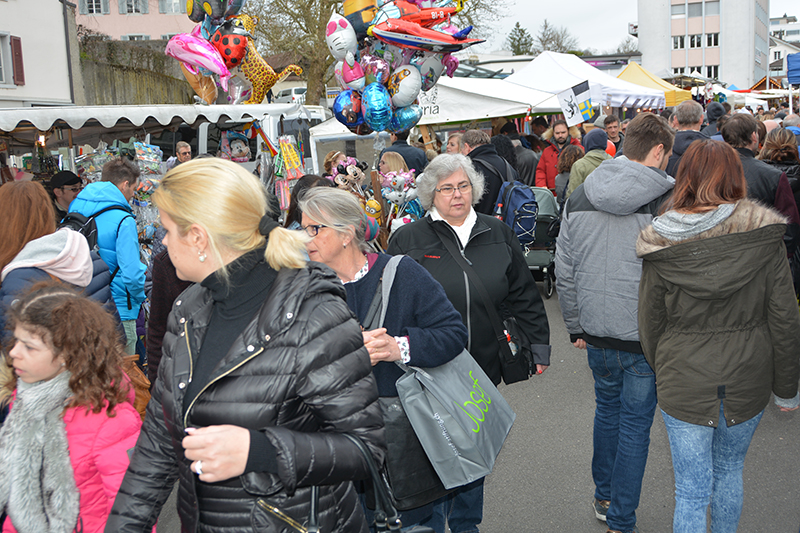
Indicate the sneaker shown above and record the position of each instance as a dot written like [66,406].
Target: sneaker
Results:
[600,508]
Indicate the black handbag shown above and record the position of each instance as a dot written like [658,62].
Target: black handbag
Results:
[412,481]
[516,365]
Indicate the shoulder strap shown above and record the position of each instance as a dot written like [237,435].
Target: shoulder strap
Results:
[463,262]
[111,208]
[377,309]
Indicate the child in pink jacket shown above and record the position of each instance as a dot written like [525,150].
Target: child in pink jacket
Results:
[64,446]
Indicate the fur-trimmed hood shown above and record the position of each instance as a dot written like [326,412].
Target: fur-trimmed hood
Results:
[693,264]
[574,132]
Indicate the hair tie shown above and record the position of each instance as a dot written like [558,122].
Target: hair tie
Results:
[266,225]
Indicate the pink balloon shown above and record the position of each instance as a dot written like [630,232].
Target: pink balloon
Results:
[375,69]
[196,53]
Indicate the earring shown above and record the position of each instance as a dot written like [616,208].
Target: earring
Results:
[201,257]
[344,245]
[63,364]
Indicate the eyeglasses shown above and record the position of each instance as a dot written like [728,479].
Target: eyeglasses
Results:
[184,153]
[313,229]
[79,188]
[449,190]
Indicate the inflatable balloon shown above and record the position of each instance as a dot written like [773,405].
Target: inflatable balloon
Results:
[239,90]
[234,6]
[198,9]
[337,73]
[231,42]
[341,37]
[377,105]
[450,63]
[404,118]
[375,69]
[361,129]
[257,70]
[404,85]
[360,14]
[352,73]
[430,68]
[197,53]
[373,208]
[204,86]
[347,108]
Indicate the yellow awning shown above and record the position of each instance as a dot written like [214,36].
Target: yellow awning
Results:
[634,73]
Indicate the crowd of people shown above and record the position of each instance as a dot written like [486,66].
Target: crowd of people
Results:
[677,269]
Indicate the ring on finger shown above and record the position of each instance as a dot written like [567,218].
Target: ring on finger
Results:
[198,468]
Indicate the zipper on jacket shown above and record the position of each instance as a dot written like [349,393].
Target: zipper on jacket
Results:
[207,385]
[280,515]
[189,348]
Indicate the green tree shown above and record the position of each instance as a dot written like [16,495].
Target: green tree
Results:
[553,39]
[519,41]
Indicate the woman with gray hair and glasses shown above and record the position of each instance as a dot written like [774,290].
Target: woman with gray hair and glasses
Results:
[421,326]
[449,189]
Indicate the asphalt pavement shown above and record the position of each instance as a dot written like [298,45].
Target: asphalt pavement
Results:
[542,480]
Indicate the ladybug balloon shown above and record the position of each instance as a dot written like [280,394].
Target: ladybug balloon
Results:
[231,42]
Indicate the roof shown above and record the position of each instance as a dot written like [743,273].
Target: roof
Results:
[92,123]
[637,74]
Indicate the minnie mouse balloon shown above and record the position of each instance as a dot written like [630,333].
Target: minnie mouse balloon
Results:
[339,75]
[347,108]
[404,85]
[404,118]
[377,105]
[430,68]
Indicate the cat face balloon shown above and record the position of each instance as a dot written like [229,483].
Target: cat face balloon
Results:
[340,37]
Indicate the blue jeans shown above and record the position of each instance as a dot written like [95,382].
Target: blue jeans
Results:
[708,463]
[625,391]
[462,510]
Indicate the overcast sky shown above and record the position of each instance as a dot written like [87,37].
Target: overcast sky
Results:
[601,25]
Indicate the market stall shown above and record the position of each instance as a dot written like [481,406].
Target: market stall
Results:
[637,74]
[553,73]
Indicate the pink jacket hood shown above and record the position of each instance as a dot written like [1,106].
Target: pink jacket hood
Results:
[63,254]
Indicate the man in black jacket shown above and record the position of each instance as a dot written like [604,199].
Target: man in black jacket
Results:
[765,183]
[496,170]
[689,117]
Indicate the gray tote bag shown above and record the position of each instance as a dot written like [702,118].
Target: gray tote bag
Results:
[457,413]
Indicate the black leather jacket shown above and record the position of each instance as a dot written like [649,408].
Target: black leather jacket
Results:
[299,373]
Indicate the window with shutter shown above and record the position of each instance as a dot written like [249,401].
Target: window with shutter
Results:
[82,8]
[16,58]
[106,7]
[94,7]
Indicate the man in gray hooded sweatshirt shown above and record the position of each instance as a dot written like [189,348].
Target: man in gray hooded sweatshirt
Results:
[597,276]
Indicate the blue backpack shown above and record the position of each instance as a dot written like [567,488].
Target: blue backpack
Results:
[516,206]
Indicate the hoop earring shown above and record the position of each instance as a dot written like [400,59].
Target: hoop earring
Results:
[201,257]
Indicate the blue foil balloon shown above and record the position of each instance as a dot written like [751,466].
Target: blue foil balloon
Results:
[404,118]
[347,108]
[377,106]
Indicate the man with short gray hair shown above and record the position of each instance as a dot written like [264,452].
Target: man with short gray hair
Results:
[689,118]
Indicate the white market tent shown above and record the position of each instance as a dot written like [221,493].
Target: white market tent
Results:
[734,98]
[450,101]
[90,124]
[552,73]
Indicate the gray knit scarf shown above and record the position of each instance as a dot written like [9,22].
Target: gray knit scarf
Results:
[38,489]
[681,226]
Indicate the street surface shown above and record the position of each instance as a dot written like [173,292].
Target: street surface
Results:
[542,482]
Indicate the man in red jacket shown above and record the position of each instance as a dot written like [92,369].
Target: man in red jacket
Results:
[546,169]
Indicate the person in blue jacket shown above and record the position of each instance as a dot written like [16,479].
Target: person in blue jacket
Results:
[117,238]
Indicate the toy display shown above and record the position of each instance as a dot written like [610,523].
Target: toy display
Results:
[403,49]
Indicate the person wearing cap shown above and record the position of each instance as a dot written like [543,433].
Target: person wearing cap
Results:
[713,112]
[65,187]
[594,144]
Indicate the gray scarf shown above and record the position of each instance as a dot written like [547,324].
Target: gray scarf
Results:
[681,226]
[38,490]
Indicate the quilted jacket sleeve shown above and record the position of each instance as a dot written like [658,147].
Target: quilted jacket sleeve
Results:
[116,437]
[565,278]
[334,379]
[151,474]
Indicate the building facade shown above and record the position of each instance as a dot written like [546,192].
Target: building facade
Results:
[38,61]
[725,41]
[134,20]
[785,28]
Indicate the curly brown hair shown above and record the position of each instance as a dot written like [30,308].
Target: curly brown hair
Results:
[780,145]
[84,334]
[567,157]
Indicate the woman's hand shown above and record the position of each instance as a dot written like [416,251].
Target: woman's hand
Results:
[223,451]
[381,347]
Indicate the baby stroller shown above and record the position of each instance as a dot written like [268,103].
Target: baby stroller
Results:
[541,255]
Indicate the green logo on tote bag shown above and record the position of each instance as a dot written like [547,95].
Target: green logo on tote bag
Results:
[478,403]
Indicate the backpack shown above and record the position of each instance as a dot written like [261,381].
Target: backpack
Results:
[516,206]
[87,226]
